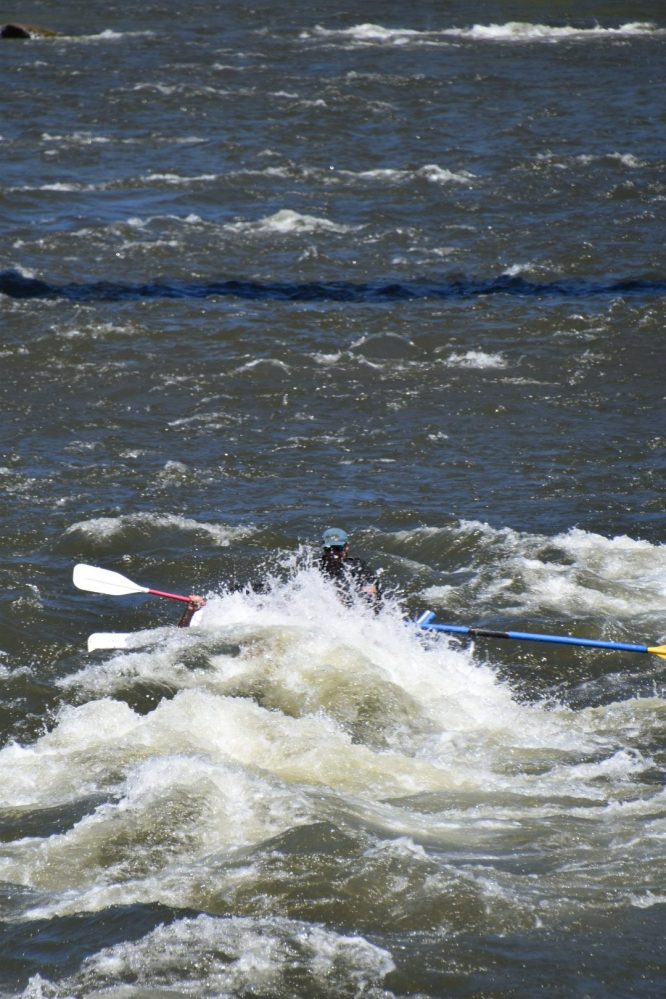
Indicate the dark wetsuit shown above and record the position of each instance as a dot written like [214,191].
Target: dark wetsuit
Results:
[350,575]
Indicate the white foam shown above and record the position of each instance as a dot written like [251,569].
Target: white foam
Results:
[263,362]
[176,180]
[512,31]
[26,272]
[237,956]
[77,138]
[628,160]
[104,528]
[624,159]
[618,577]
[286,708]
[63,186]
[107,35]
[648,900]
[287,222]
[430,172]
[77,757]
[367,33]
[475,359]
[525,31]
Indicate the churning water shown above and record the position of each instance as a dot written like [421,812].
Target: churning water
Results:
[396,269]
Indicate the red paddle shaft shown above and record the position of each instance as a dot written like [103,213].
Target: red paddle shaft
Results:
[169,596]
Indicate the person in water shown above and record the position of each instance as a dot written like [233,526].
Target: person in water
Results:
[351,575]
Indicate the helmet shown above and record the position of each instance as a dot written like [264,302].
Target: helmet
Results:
[333,538]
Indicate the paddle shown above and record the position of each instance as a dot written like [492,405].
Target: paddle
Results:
[109,640]
[88,577]
[426,621]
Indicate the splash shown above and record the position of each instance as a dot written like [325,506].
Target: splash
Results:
[289,740]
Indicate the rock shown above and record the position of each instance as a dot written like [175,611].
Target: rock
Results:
[25,31]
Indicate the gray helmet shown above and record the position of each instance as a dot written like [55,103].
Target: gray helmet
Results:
[334,537]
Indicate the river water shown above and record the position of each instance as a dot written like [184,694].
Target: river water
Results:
[397,269]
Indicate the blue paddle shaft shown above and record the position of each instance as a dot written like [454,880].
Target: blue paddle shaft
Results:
[456,629]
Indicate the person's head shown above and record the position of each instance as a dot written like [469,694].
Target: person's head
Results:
[335,543]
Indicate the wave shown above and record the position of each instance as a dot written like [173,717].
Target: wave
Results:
[519,31]
[100,530]
[429,171]
[369,34]
[232,952]
[476,359]
[574,574]
[291,735]
[107,35]
[287,221]
[624,159]
[513,31]
[16,285]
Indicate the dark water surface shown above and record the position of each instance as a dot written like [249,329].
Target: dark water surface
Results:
[267,269]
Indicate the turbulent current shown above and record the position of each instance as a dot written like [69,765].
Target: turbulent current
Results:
[394,269]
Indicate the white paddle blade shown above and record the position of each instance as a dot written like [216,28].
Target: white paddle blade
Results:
[89,577]
[108,640]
